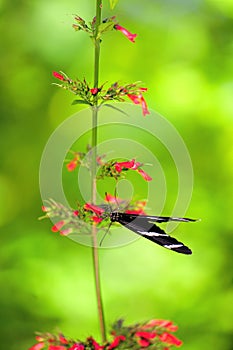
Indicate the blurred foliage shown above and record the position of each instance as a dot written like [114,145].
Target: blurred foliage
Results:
[183,54]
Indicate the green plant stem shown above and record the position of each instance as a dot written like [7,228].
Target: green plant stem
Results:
[95,251]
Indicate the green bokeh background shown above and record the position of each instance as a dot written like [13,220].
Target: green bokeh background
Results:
[183,54]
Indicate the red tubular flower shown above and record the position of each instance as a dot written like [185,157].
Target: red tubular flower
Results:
[75,212]
[59,76]
[58,226]
[66,232]
[139,100]
[144,343]
[144,338]
[145,110]
[118,168]
[146,335]
[112,199]
[95,344]
[124,165]
[38,346]
[96,219]
[134,99]
[124,31]
[133,165]
[162,323]
[72,165]
[62,339]
[77,347]
[170,339]
[74,162]
[144,175]
[94,208]
[116,342]
[57,347]
[136,165]
[109,198]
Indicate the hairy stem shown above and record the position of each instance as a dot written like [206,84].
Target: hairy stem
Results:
[95,252]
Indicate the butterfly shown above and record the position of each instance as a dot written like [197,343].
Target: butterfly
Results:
[144,225]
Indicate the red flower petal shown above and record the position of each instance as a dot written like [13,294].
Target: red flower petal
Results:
[162,323]
[57,347]
[127,165]
[118,167]
[77,347]
[109,198]
[37,346]
[144,175]
[66,232]
[146,335]
[97,219]
[124,31]
[116,342]
[95,344]
[139,99]
[136,165]
[62,339]
[58,76]
[170,339]
[145,110]
[134,98]
[144,343]
[58,226]
[94,208]
[72,164]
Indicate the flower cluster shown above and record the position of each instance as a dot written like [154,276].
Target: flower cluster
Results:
[116,169]
[78,87]
[80,220]
[70,221]
[83,159]
[107,25]
[93,96]
[112,168]
[116,92]
[155,334]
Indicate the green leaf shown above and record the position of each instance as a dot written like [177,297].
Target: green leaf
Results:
[117,109]
[104,28]
[80,102]
[113,3]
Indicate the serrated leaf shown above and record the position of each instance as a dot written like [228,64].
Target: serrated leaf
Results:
[80,102]
[113,3]
[105,27]
[117,109]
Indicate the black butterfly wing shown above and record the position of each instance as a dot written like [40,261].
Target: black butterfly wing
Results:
[143,227]
[158,218]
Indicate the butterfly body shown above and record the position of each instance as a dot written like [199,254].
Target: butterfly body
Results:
[144,225]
